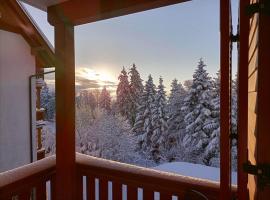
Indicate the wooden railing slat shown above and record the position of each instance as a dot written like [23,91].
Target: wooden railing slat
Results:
[41,191]
[103,189]
[132,192]
[148,194]
[25,195]
[79,187]
[117,191]
[53,187]
[180,196]
[90,187]
[165,196]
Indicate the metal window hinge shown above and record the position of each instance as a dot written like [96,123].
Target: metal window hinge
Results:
[262,171]
[235,38]
[263,7]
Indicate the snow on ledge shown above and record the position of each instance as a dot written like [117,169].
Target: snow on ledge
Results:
[25,171]
[194,170]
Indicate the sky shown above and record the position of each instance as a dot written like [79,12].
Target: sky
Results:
[165,42]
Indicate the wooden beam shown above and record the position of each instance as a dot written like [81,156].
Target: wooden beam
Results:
[65,111]
[225,159]
[85,11]
[242,124]
[15,19]
[263,98]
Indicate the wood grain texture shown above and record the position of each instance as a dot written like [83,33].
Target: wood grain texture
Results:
[65,112]
[252,82]
[90,188]
[117,190]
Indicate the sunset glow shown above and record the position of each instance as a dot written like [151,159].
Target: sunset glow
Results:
[90,74]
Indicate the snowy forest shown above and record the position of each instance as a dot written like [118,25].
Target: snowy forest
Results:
[146,125]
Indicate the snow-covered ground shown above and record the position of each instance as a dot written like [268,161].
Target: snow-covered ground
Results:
[194,170]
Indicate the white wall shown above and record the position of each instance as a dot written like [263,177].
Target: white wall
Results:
[16,65]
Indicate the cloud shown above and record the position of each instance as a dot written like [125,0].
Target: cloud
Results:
[87,79]
[86,83]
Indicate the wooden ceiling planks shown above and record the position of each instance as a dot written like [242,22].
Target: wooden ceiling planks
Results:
[84,11]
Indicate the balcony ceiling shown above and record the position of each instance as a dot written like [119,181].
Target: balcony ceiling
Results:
[42,4]
[85,11]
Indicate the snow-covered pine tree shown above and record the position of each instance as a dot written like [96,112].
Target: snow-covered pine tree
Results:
[234,106]
[234,113]
[144,118]
[187,84]
[176,99]
[197,107]
[137,128]
[176,124]
[159,123]
[105,100]
[173,93]
[123,94]
[136,89]
[212,151]
[47,100]
[92,102]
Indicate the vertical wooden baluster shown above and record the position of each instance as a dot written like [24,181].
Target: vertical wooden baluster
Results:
[117,191]
[8,196]
[165,196]
[132,192]
[103,189]
[148,194]
[52,188]
[180,196]
[25,195]
[79,187]
[91,185]
[41,191]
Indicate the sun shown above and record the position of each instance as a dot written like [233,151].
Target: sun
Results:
[105,76]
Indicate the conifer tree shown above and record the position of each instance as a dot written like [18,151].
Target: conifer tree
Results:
[143,121]
[123,94]
[176,99]
[197,107]
[136,89]
[176,122]
[105,100]
[174,94]
[187,84]
[234,106]
[48,102]
[234,113]
[159,123]
[211,155]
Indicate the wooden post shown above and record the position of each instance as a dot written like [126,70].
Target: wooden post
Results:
[263,98]
[242,124]
[65,111]
[225,100]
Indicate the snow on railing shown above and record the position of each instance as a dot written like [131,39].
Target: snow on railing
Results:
[21,182]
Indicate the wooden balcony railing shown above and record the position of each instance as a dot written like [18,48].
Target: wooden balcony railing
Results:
[29,180]
[102,178]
